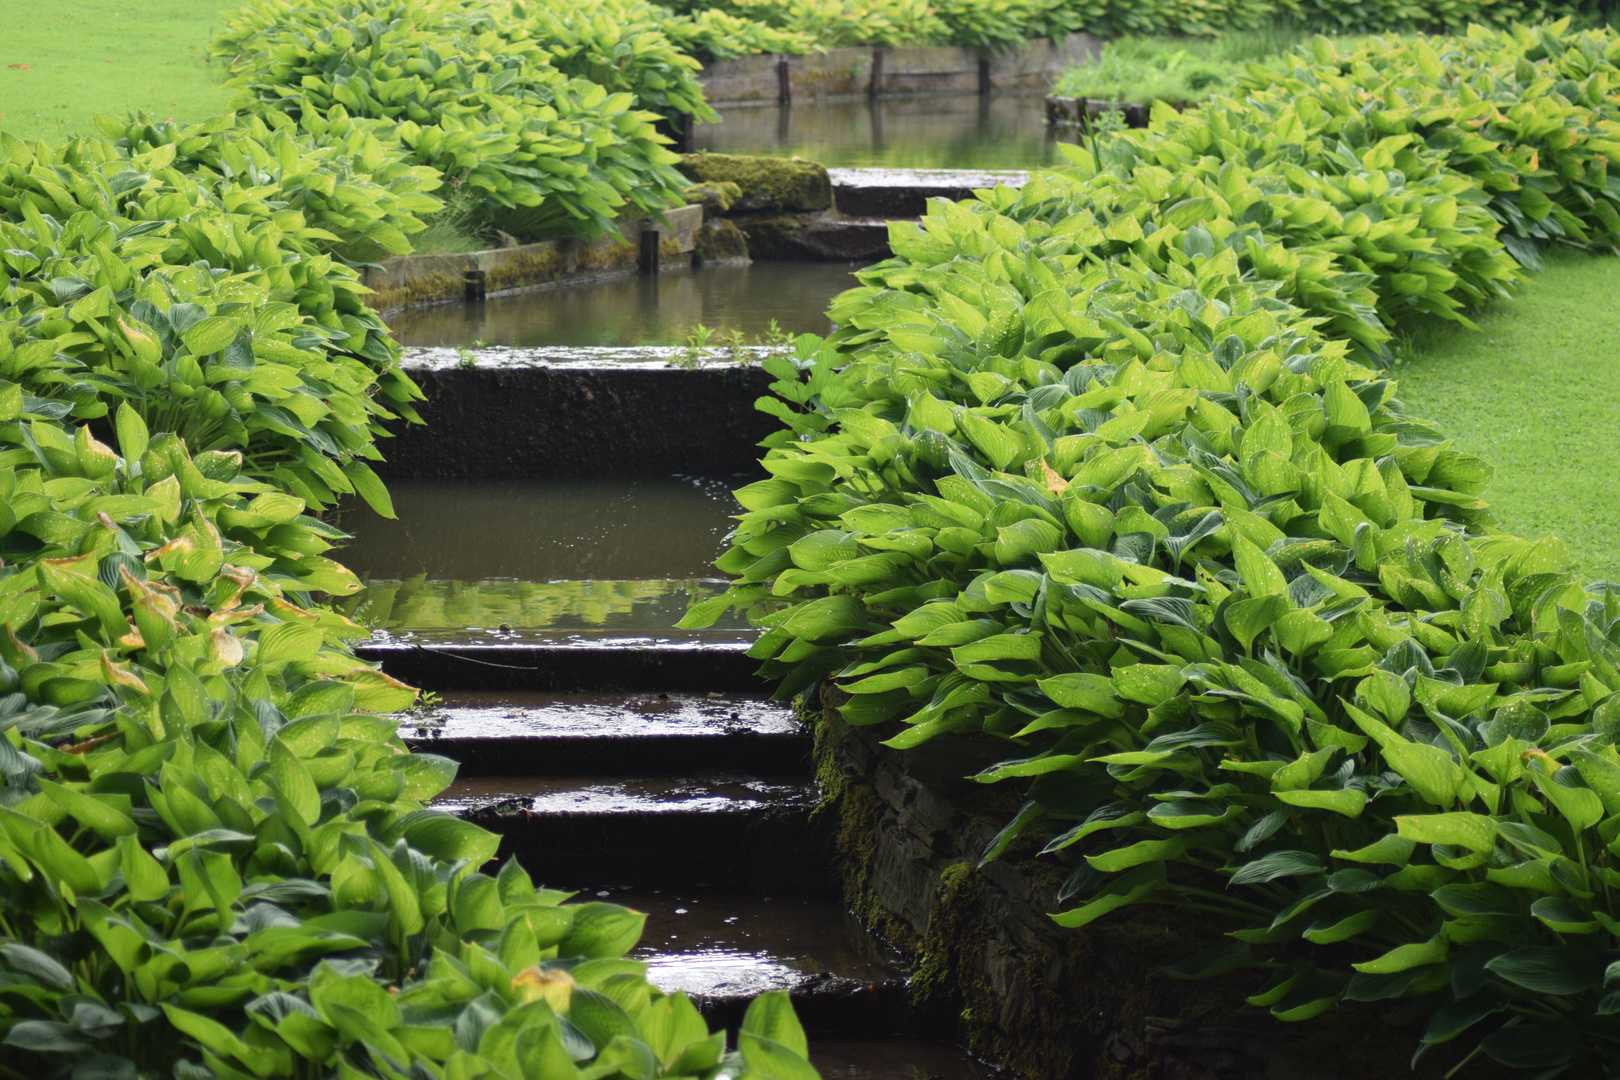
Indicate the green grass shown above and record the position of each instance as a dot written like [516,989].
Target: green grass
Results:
[64,61]
[1537,394]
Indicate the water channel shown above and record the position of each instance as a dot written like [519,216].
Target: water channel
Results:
[654,309]
[691,806]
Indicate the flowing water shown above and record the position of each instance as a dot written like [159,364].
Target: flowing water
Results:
[922,132]
[653,309]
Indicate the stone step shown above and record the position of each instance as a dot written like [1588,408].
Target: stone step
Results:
[724,948]
[531,419]
[713,829]
[484,662]
[904,193]
[656,733]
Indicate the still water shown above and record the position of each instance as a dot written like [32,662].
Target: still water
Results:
[957,132]
[655,309]
[555,559]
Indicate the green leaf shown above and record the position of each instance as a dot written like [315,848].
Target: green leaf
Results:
[1406,957]
[828,620]
[1550,969]
[1126,889]
[132,433]
[770,1016]
[1475,832]
[371,489]
[601,930]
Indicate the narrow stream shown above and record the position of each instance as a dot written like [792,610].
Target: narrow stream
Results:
[921,132]
[654,309]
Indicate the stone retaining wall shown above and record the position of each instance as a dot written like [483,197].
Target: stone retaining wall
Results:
[1050,1003]
[415,280]
[928,69]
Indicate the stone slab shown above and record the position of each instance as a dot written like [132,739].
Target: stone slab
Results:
[904,193]
[635,419]
[743,80]
[834,73]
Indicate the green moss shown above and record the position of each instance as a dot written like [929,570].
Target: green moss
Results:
[528,268]
[720,241]
[766,183]
[715,198]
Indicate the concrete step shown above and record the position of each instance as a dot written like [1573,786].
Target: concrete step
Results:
[657,733]
[904,193]
[712,829]
[484,662]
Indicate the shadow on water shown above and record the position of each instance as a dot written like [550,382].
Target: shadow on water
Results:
[656,309]
[925,132]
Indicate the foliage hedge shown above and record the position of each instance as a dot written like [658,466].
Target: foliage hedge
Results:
[544,116]
[217,858]
[1002,24]
[1111,469]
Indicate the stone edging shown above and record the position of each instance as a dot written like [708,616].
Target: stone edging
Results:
[420,280]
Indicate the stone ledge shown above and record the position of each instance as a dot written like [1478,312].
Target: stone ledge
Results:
[418,280]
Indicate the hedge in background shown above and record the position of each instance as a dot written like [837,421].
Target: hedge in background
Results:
[1106,468]
[498,99]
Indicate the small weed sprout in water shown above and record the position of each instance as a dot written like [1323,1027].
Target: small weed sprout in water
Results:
[465,357]
[696,342]
[743,348]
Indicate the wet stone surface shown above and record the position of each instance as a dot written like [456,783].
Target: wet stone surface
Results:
[722,943]
[493,715]
[712,794]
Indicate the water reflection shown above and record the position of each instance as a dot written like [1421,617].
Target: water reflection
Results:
[656,309]
[925,132]
[549,530]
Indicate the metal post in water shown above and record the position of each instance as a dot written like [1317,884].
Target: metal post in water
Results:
[649,251]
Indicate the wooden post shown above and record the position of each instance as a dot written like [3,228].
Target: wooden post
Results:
[649,251]
[686,138]
[876,86]
[473,284]
[984,76]
[784,81]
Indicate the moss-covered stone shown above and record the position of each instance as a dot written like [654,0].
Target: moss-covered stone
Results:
[715,198]
[765,183]
[720,241]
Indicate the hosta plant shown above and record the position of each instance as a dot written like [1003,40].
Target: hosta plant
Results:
[468,90]
[1106,469]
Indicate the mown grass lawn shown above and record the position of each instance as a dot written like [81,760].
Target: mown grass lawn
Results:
[64,61]
[1537,394]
